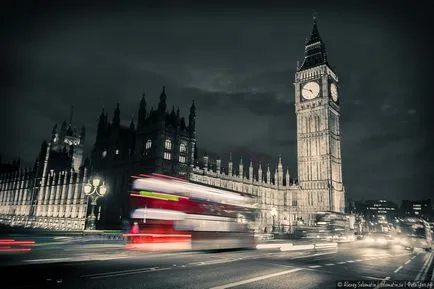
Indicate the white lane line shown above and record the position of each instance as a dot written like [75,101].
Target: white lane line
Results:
[313,255]
[399,268]
[315,266]
[374,278]
[424,268]
[341,263]
[407,262]
[257,279]
[413,257]
[130,273]
[330,264]
[358,260]
[350,261]
[50,260]
[115,272]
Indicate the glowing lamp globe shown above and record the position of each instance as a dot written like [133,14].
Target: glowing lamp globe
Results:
[87,189]
[96,182]
[102,190]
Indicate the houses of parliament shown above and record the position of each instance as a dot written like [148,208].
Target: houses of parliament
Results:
[49,195]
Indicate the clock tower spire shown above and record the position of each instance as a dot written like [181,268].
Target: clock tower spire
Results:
[318,131]
[315,50]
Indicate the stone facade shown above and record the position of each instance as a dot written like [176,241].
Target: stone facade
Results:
[50,194]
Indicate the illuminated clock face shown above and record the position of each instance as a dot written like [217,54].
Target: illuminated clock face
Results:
[310,90]
[334,92]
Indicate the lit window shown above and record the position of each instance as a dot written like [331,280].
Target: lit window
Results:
[167,156]
[148,144]
[168,144]
[182,148]
[117,152]
[182,159]
[104,154]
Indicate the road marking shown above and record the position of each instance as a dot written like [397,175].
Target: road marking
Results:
[341,263]
[50,260]
[407,262]
[424,270]
[350,261]
[257,279]
[313,255]
[315,266]
[115,272]
[358,260]
[374,278]
[130,273]
[399,268]
[413,257]
[330,264]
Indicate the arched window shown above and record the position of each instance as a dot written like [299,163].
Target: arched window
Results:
[182,159]
[148,144]
[167,156]
[104,153]
[168,144]
[182,148]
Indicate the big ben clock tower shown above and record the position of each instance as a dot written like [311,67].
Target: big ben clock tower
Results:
[318,133]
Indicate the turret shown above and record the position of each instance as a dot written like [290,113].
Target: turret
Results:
[230,165]
[117,117]
[280,172]
[102,122]
[192,119]
[241,168]
[288,178]
[276,180]
[205,162]
[132,126]
[251,171]
[218,165]
[54,134]
[260,179]
[162,104]
[268,174]
[82,134]
[142,113]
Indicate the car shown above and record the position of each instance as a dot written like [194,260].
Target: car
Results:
[378,239]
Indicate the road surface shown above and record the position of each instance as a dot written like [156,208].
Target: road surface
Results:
[115,268]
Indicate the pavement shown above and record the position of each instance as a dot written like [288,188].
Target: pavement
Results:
[313,268]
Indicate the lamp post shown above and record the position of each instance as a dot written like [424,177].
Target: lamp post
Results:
[94,189]
[273,214]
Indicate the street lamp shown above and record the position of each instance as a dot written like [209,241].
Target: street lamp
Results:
[94,189]
[273,214]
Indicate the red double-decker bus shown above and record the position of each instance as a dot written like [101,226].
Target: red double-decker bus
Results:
[175,214]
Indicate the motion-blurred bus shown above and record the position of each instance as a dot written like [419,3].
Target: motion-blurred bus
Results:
[175,214]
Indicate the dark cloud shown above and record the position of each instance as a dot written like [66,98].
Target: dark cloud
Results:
[238,65]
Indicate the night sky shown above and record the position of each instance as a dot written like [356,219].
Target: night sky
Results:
[238,64]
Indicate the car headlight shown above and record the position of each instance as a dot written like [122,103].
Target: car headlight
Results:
[381,241]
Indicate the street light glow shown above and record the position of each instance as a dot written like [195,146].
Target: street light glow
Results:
[96,182]
[87,189]
[102,190]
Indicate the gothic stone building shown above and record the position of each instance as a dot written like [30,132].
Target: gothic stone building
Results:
[51,193]
[163,143]
[48,195]
[319,186]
